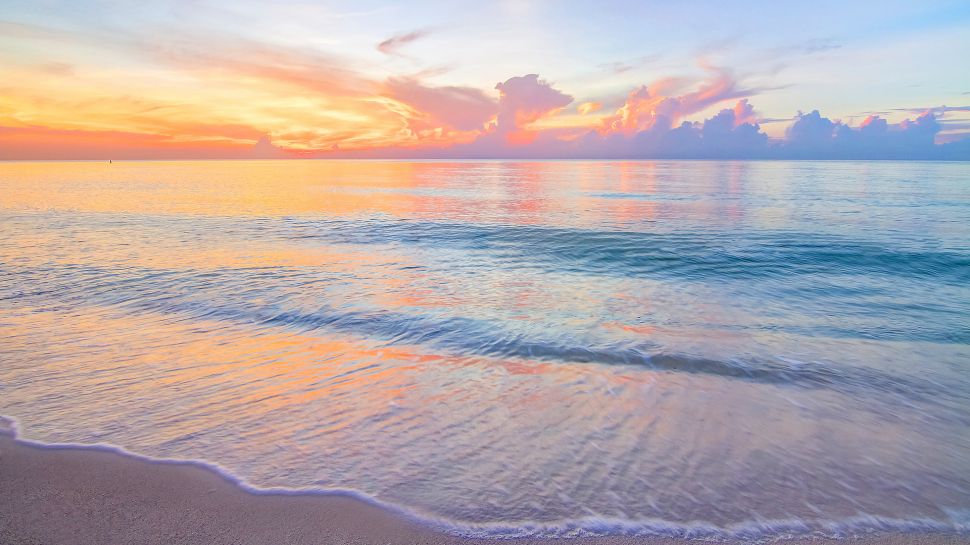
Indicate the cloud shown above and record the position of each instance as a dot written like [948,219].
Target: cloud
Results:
[120,84]
[744,113]
[391,45]
[261,62]
[808,47]
[731,133]
[12,29]
[264,149]
[619,67]
[815,136]
[524,100]
[58,69]
[820,45]
[43,143]
[461,108]
[934,109]
[650,106]
[811,131]
[233,92]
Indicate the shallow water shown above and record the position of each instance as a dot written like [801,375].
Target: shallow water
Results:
[736,348]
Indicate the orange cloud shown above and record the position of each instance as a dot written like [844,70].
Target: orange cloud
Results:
[588,107]
[226,91]
[42,143]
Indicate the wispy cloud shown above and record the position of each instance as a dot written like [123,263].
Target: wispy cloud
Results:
[392,45]
[807,47]
[936,109]
[621,67]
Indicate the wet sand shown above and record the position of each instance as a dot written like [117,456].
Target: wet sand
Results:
[78,496]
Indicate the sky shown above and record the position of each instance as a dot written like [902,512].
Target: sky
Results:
[510,78]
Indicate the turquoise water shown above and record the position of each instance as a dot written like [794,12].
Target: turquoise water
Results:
[706,348]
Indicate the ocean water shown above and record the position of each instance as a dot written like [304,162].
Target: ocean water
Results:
[716,349]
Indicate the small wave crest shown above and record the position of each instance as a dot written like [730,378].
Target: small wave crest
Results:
[760,530]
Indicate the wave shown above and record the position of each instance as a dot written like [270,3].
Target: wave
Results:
[173,294]
[689,254]
[469,336]
[901,292]
[759,530]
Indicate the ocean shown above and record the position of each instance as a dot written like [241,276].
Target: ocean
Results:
[696,348]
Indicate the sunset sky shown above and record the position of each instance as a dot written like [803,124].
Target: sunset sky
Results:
[518,78]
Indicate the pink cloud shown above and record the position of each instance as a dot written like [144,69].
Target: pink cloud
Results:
[462,108]
[649,106]
[254,60]
[744,113]
[524,100]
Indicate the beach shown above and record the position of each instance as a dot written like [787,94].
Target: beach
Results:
[75,495]
[512,272]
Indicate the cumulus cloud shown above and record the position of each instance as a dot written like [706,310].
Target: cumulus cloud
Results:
[653,122]
[731,132]
[811,131]
[653,105]
[524,100]
[744,113]
[815,136]
[734,133]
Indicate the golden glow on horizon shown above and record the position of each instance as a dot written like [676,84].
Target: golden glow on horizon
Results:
[221,101]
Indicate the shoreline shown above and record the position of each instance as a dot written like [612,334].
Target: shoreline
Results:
[76,494]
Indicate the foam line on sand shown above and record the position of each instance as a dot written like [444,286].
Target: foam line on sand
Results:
[91,496]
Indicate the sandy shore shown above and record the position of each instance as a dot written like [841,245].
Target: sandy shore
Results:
[82,496]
